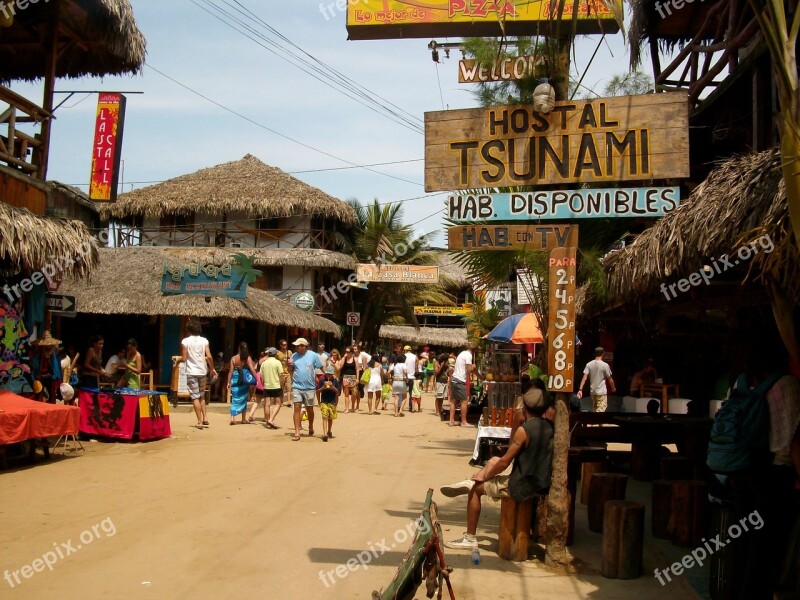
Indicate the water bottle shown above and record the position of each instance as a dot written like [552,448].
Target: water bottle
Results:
[476,556]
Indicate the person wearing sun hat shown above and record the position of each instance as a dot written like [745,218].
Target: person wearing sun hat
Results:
[303,365]
[46,364]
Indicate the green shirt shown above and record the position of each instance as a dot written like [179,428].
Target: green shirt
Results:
[271,370]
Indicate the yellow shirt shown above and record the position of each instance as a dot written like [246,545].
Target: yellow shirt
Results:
[271,371]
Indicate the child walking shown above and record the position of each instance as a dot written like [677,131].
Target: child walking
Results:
[416,393]
[328,395]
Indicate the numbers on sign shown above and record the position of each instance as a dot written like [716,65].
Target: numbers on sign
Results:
[558,342]
[562,295]
[562,277]
[560,362]
[556,382]
[561,319]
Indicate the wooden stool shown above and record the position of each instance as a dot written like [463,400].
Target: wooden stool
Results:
[623,540]
[661,508]
[602,488]
[589,469]
[674,468]
[687,520]
[515,527]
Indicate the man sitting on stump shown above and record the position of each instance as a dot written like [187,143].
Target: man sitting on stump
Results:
[531,451]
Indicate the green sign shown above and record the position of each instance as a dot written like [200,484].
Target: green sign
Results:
[303,301]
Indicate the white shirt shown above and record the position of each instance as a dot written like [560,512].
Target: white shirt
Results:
[399,372]
[411,364]
[462,361]
[196,351]
[598,371]
[111,365]
[364,359]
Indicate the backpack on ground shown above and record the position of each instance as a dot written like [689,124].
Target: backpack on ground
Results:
[740,432]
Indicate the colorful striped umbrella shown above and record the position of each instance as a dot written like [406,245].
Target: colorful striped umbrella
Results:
[518,329]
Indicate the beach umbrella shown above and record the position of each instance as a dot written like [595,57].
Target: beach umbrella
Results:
[518,329]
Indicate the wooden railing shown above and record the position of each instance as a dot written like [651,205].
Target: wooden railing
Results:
[727,27]
[15,145]
[214,237]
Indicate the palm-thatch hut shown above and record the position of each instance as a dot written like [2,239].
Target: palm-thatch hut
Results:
[108,40]
[436,337]
[30,243]
[245,188]
[123,298]
[719,274]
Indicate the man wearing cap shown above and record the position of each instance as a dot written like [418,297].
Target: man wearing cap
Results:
[303,364]
[271,370]
[411,368]
[599,373]
[530,451]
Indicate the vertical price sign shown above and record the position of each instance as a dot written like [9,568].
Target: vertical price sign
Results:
[561,329]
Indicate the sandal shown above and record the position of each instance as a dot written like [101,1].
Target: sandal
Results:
[205,423]
[295,438]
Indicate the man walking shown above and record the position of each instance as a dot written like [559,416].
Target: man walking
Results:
[199,362]
[411,370]
[271,370]
[303,365]
[283,357]
[462,373]
[599,374]
[531,451]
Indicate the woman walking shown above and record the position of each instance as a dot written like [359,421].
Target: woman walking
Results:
[430,368]
[241,376]
[350,372]
[374,385]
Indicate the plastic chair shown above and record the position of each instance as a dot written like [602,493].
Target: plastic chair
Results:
[678,406]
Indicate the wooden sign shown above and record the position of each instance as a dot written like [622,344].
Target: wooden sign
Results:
[564,204]
[398,19]
[507,69]
[561,329]
[397,273]
[627,138]
[511,237]
[107,147]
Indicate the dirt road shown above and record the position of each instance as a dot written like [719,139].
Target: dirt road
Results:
[243,512]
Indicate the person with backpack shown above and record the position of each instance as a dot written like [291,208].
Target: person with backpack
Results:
[755,442]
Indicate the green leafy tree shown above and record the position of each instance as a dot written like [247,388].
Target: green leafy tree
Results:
[380,237]
[634,83]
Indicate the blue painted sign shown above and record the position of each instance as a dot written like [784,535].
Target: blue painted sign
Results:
[205,280]
[564,204]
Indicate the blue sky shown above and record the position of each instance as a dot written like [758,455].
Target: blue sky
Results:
[169,131]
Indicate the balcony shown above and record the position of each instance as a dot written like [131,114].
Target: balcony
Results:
[210,236]
[18,149]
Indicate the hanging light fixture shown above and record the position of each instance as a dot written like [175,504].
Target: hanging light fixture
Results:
[544,97]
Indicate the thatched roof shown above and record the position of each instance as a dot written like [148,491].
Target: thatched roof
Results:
[244,186]
[30,242]
[128,281]
[97,37]
[450,269]
[265,257]
[74,194]
[742,199]
[447,337]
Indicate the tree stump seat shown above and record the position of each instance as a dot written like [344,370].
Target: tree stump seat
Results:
[602,488]
[515,529]
[623,539]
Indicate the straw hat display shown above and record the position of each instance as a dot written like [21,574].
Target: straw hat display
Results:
[47,340]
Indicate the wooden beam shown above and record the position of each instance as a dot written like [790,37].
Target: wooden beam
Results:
[49,85]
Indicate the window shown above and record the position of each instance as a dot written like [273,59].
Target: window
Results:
[271,280]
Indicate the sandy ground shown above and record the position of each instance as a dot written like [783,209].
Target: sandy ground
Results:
[243,512]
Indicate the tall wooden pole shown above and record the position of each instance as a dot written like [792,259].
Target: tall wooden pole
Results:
[51,50]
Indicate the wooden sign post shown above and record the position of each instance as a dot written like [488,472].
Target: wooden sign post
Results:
[561,322]
[511,237]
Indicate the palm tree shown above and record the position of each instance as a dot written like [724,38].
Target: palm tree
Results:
[379,237]
[781,38]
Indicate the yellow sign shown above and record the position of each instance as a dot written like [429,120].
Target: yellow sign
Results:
[395,19]
[626,138]
[442,311]
[397,274]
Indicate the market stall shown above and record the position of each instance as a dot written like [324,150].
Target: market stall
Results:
[24,419]
[121,413]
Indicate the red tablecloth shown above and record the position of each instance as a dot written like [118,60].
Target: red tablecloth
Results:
[23,419]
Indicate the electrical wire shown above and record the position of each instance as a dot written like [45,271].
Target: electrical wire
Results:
[273,131]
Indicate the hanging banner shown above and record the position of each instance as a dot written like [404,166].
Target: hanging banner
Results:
[396,19]
[564,204]
[561,321]
[369,272]
[511,237]
[626,138]
[443,311]
[107,147]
